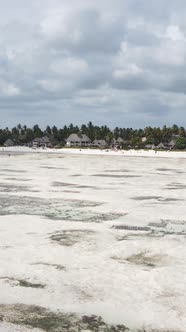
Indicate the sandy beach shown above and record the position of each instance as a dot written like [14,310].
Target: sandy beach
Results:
[84,233]
[109,152]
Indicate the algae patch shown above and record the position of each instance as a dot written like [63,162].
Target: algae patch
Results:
[48,321]
[71,237]
[21,282]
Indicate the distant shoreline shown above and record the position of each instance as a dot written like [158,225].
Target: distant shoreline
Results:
[98,152]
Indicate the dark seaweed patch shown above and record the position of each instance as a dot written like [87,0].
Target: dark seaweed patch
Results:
[162,169]
[142,258]
[71,191]
[56,266]
[170,199]
[116,176]
[131,228]
[17,179]
[72,185]
[52,167]
[176,186]
[66,209]
[62,184]
[146,259]
[144,198]
[71,237]
[22,282]
[117,170]
[38,317]
[157,198]
[12,170]
[153,229]
[15,188]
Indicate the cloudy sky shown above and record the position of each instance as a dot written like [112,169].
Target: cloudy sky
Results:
[115,62]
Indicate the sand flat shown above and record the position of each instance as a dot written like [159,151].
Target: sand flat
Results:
[115,249]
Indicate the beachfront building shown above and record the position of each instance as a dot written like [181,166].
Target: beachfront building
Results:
[172,144]
[78,140]
[150,146]
[85,140]
[162,146]
[100,143]
[43,142]
[9,142]
[119,143]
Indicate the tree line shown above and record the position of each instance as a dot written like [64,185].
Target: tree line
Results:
[133,137]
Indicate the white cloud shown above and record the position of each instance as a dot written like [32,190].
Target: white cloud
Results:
[171,53]
[174,33]
[130,70]
[52,86]
[9,90]
[93,54]
[69,67]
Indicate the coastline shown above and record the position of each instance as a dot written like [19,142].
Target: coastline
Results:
[95,235]
[98,152]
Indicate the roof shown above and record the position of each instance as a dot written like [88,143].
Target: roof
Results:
[85,138]
[37,139]
[73,138]
[150,146]
[100,142]
[161,145]
[172,143]
[9,142]
[120,140]
[43,139]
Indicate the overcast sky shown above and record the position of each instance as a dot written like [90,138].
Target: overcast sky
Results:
[115,62]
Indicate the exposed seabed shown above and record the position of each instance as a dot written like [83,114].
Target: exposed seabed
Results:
[92,243]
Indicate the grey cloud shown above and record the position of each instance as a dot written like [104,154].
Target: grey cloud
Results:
[158,10]
[131,53]
[141,37]
[85,33]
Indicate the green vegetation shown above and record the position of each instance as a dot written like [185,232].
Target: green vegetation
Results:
[129,137]
[181,143]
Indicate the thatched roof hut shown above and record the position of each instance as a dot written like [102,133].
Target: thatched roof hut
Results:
[78,140]
[9,142]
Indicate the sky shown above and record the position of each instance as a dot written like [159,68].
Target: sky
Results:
[114,62]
